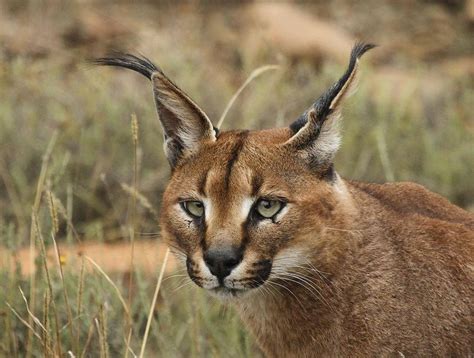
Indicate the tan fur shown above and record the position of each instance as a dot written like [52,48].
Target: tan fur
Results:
[396,260]
[344,268]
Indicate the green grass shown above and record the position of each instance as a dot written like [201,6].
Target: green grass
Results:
[186,322]
[402,138]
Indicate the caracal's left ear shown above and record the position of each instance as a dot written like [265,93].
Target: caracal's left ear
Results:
[316,132]
[185,126]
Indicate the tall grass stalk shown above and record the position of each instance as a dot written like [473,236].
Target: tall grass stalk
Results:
[46,335]
[48,280]
[90,333]
[26,323]
[153,303]
[101,324]
[74,333]
[255,73]
[383,153]
[80,289]
[35,209]
[109,280]
[134,128]
[133,226]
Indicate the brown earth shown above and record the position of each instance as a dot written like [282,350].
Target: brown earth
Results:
[112,258]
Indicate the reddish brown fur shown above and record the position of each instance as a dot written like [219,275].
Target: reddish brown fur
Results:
[397,261]
[342,268]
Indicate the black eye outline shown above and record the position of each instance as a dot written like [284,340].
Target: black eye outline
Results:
[184,206]
[259,216]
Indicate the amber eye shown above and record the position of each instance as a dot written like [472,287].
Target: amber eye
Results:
[193,208]
[269,208]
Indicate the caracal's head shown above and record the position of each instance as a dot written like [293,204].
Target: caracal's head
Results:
[244,206]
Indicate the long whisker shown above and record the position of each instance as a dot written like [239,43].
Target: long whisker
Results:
[271,282]
[305,282]
[182,286]
[173,276]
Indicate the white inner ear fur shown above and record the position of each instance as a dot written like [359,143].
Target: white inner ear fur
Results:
[329,139]
[327,143]
[189,127]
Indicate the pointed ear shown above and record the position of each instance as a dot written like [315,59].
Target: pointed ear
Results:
[185,125]
[316,132]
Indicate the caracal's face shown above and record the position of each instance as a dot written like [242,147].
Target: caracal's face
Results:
[241,211]
[243,208]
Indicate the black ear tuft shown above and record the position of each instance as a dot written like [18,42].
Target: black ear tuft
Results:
[360,48]
[324,105]
[138,64]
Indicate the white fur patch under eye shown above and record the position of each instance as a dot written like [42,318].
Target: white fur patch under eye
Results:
[246,205]
[281,213]
[181,212]
[207,209]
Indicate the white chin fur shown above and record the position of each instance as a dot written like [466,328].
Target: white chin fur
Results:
[226,294]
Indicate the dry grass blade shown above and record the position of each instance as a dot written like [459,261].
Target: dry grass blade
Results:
[66,214]
[127,341]
[133,225]
[74,336]
[90,332]
[102,329]
[36,205]
[382,148]
[53,212]
[80,289]
[46,335]
[127,345]
[48,279]
[140,197]
[119,295]
[255,73]
[30,328]
[35,319]
[153,303]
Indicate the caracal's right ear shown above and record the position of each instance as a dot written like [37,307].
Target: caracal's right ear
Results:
[185,125]
[316,132]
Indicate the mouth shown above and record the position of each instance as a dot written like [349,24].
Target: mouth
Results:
[231,287]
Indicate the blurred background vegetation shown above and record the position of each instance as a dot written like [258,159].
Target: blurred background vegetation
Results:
[67,154]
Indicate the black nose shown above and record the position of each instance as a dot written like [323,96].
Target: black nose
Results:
[222,261]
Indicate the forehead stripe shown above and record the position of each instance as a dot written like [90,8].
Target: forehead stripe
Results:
[256,184]
[234,156]
[202,184]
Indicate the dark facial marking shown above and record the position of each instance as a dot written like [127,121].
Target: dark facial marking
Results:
[234,156]
[261,272]
[256,184]
[245,234]
[329,174]
[192,270]
[202,184]
[202,232]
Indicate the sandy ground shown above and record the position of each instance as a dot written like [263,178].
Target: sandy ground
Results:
[112,258]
